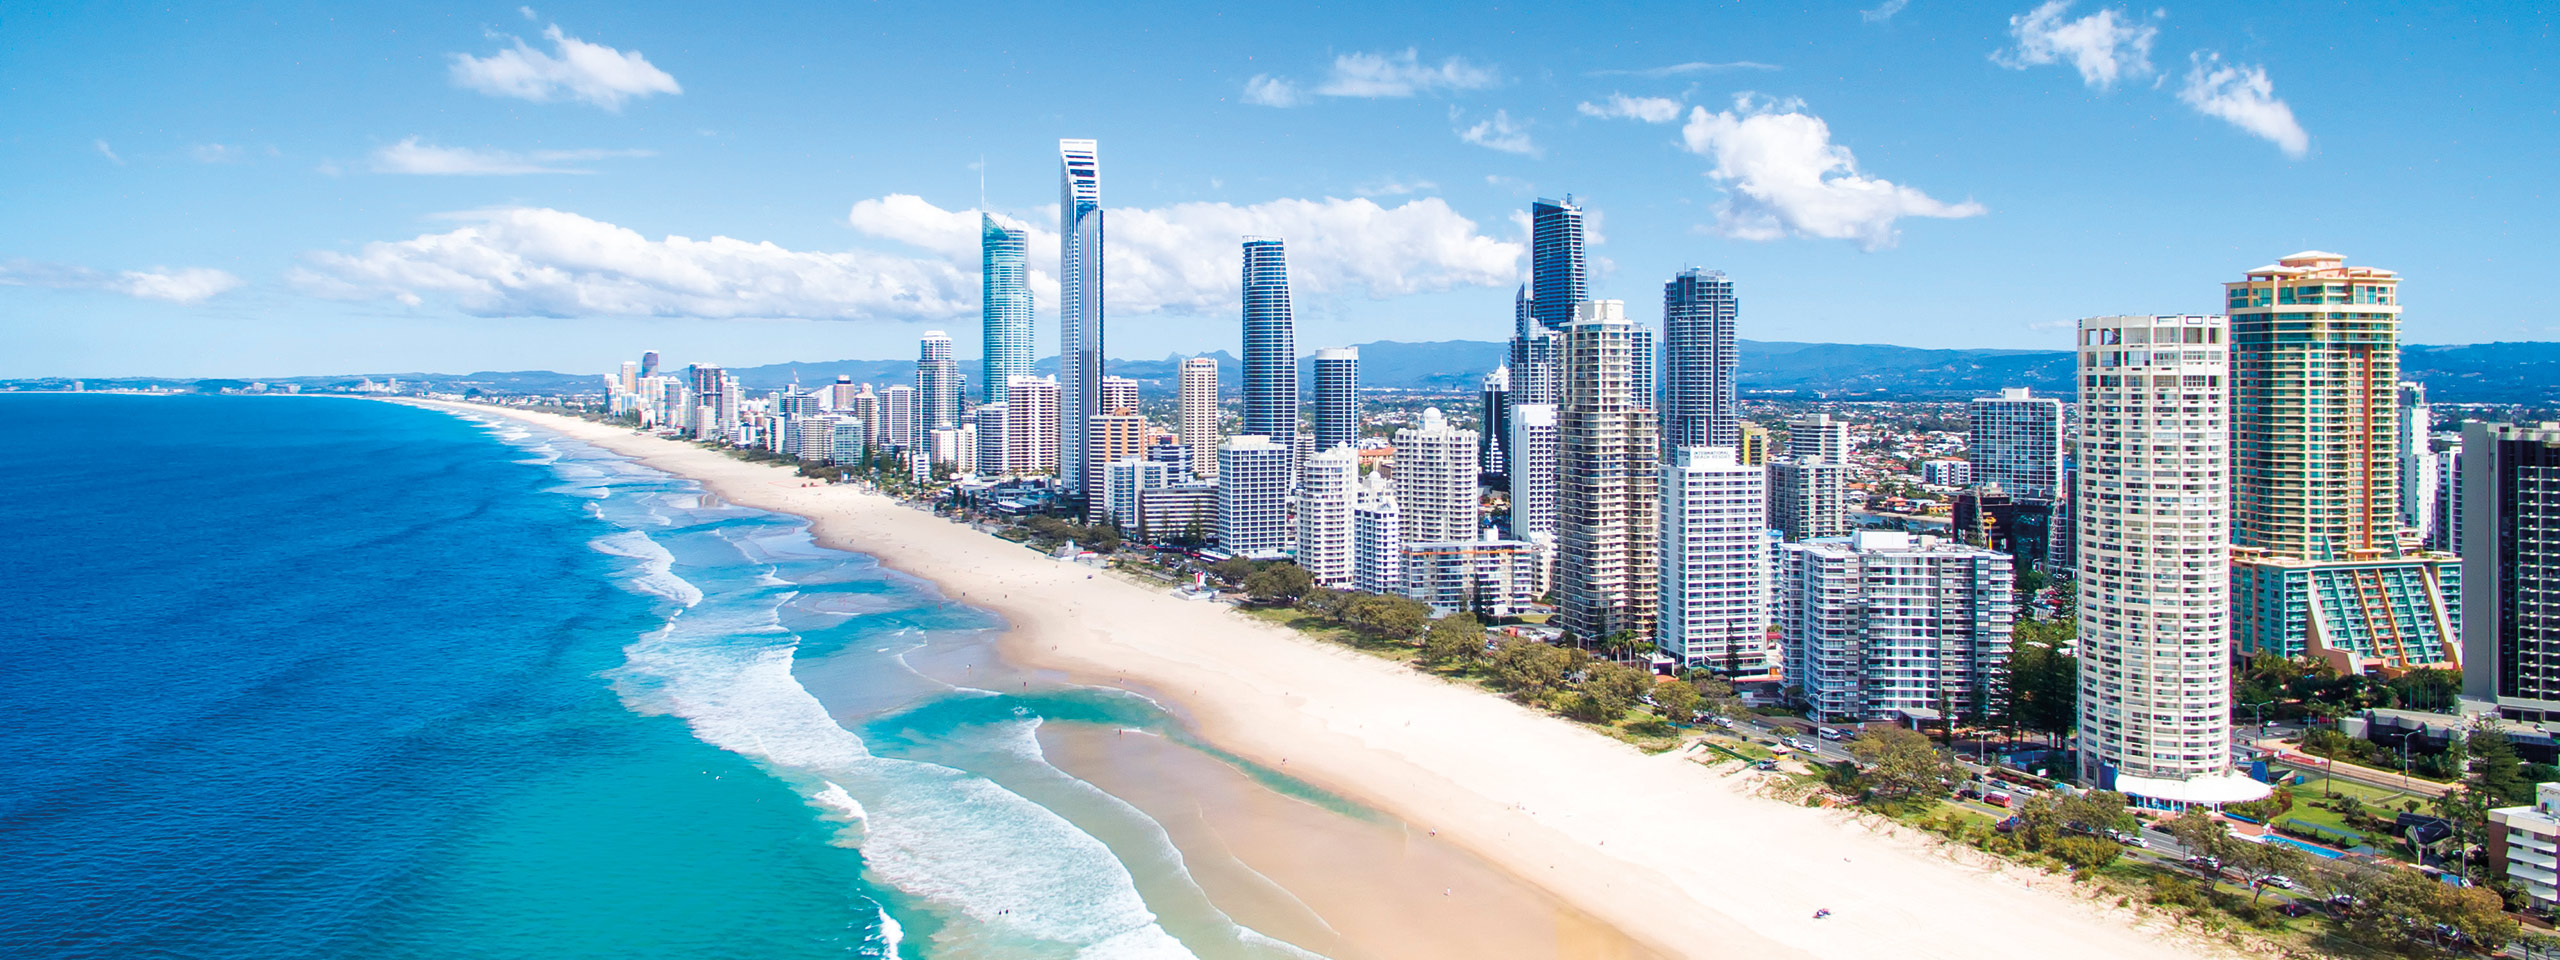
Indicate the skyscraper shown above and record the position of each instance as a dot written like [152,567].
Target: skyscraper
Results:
[1004,310]
[1808,498]
[2015,440]
[1270,344]
[1878,624]
[1699,404]
[994,422]
[1337,413]
[2317,567]
[1497,421]
[900,416]
[2154,547]
[1080,307]
[1606,466]
[937,383]
[1326,489]
[2418,477]
[1199,402]
[2511,560]
[1435,481]
[1559,275]
[649,363]
[1532,449]
[1254,475]
[1031,426]
[1533,354]
[1819,435]
[1377,548]
[1714,561]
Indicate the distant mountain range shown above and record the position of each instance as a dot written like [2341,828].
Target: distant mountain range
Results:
[2472,373]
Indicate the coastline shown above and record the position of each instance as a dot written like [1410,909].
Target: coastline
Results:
[1671,854]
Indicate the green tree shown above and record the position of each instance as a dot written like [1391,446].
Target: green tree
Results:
[1456,638]
[2255,862]
[1678,699]
[1279,582]
[2203,834]
[1902,765]
[1396,618]
[2401,910]
[2044,682]
[1232,569]
[1325,601]
[2496,771]
[1528,668]
[1608,690]
[2085,853]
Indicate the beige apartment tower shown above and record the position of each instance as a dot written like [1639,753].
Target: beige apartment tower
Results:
[1606,465]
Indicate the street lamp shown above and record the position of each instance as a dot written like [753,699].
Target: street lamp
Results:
[2260,708]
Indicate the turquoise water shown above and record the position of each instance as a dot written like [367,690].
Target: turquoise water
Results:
[327,678]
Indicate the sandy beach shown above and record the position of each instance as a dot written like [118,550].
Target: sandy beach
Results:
[1663,852]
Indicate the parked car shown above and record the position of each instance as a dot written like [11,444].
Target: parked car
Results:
[2292,909]
[1828,733]
[2277,880]
[2007,825]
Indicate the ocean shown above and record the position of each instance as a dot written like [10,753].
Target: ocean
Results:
[314,677]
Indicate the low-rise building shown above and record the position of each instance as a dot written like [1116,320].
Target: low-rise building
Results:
[2524,844]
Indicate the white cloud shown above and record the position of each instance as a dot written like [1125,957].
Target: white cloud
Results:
[2106,46]
[1647,109]
[1498,132]
[1684,69]
[182,285]
[528,13]
[1183,259]
[412,157]
[2244,96]
[579,70]
[526,261]
[215,153]
[1401,75]
[1785,177]
[108,152]
[1393,187]
[1374,75]
[1271,91]
[1883,11]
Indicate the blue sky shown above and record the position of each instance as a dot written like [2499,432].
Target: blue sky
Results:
[294,189]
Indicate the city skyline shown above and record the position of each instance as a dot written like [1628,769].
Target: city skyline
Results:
[202,232]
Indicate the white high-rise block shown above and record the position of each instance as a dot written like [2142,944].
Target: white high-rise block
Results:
[1714,559]
[1327,487]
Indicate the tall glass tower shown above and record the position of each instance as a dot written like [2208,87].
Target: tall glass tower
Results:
[1337,418]
[1270,344]
[1079,311]
[1004,272]
[1559,276]
[937,383]
[1699,408]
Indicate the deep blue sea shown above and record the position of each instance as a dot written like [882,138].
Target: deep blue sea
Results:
[311,677]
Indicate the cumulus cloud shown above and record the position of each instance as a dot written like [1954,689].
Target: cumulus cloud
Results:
[1375,76]
[575,70]
[1271,91]
[523,261]
[1498,132]
[1883,11]
[1647,109]
[182,285]
[1684,69]
[412,157]
[2106,46]
[2244,96]
[529,261]
[1784,176]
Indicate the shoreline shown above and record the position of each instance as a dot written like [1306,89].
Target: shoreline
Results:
[1675,856]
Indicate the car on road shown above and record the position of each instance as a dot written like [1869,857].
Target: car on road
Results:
[2277,880]
[2129,838]
[1997,798]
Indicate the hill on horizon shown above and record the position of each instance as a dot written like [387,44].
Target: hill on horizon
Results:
[2527,372]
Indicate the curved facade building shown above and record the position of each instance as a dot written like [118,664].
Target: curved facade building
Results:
[1079,310]
[1270,345]
[1559,275]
